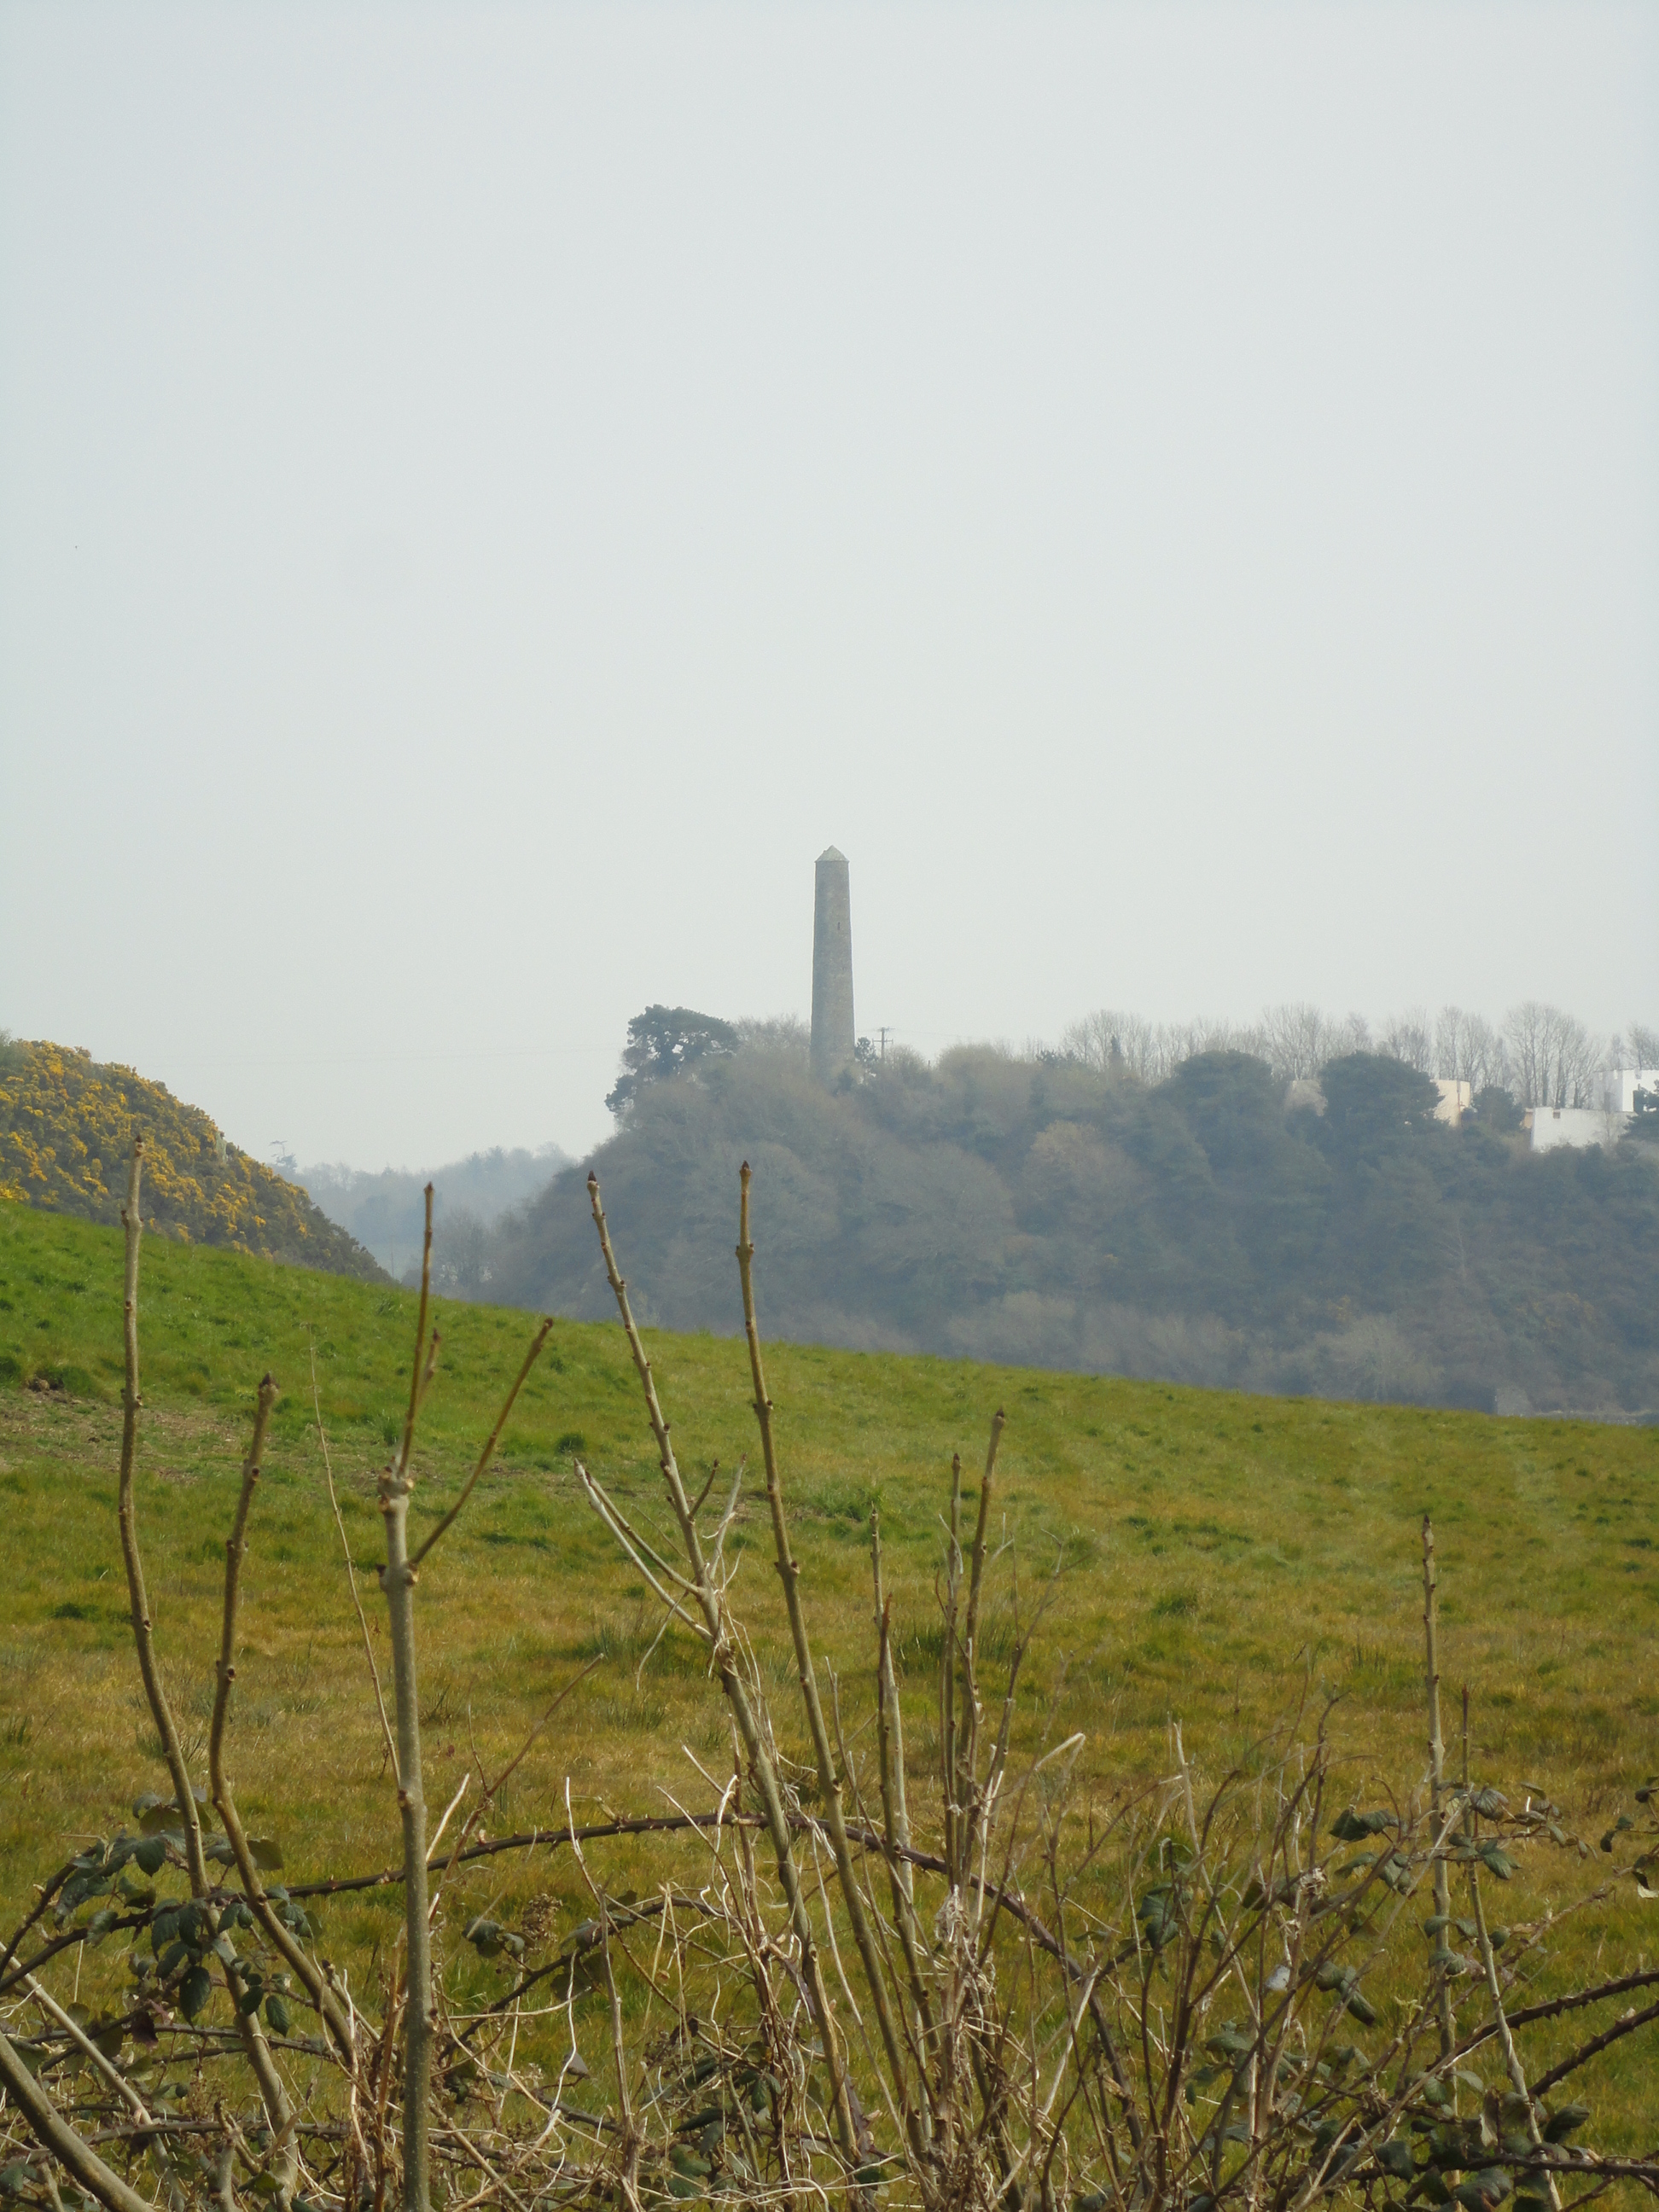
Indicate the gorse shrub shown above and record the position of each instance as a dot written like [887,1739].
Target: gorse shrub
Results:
[904,1955]
[67,1123]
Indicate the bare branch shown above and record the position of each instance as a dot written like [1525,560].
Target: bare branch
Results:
[494,1438]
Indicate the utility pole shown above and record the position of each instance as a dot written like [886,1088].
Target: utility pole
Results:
[883,1033]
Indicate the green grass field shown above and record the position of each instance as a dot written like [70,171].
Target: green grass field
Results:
[1221,1558]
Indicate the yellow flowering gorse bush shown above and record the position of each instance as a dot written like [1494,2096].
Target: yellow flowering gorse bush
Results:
[67,1123]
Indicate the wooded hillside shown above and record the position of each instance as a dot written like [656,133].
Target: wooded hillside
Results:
[1040,1211]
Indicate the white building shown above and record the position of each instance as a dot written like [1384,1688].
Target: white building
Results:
[1456,1099]
[1620,1086]
[1552,1127]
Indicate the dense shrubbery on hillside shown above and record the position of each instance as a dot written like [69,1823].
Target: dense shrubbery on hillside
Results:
[66,1126]
[1042,1211]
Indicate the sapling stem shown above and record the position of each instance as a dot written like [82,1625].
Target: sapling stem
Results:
[53,2132]
[127,1516]
[895,1812]
[1436,1777]
[272,2094]
[829,1788]
[398,1581]
[323,1998]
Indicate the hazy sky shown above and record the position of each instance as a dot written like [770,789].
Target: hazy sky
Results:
[488,494]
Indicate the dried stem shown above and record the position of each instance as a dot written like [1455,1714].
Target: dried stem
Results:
[326,2003]
[127,1511]
[830,1786]
[351,1571]
[723,1650]
[1436,1777]
[895,1812]
[53,2133]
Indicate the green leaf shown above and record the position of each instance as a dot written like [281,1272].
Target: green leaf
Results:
[1498,1860]
[194,1991]
[152,1854]
[1483,2190]
[1564,2121]
[266,1853]
[1230,2042]
[1352,1827]
[276,2013]
[1396,2157]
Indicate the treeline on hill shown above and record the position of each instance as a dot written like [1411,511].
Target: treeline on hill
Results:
[67,1122]
[386,1211]
[1219,1227]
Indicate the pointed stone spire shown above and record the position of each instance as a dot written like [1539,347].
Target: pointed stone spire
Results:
[832,968]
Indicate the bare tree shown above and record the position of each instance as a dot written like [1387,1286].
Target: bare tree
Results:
[1450,1032]
[1553,1060]
[1466,1049]
[1298,1040]
[1109,1042]
[1410,1036]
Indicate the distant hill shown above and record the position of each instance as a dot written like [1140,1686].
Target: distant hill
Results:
[67,1122]
[387,1212]
[1217,1227]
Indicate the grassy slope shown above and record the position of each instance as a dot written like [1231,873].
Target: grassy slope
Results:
[1223,1551]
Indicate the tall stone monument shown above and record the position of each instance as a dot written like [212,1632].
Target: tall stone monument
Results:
[832,968]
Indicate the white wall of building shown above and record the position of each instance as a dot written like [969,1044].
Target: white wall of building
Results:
[1456,1099]
[1553,1127]
[1622,1083]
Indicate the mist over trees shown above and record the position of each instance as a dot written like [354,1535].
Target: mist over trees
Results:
[387,1213]
[1274,1207]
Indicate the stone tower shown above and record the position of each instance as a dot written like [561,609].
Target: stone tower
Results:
[832,968]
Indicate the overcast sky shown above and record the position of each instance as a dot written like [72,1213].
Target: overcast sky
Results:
[488,494]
